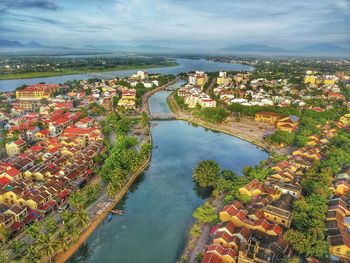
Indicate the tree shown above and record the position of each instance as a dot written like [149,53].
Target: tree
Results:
[77,200]
[145,119]
[81,218]
[4,235]
[66,215]
[282,137]
[50,225]
[63,240]
[32,254]
[33,230]
[206,174]
[17,247]
[206,214]
[48,245]
[4,256]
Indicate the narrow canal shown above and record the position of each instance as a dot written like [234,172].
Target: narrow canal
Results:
[159,206]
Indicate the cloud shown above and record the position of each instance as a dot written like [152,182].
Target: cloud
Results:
[178,23]
[28,4]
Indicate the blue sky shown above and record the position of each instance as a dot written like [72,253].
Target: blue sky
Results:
[176,23]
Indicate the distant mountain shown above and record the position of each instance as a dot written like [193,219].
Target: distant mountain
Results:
[322,48]
[4,43]
[253,48]
[34,44]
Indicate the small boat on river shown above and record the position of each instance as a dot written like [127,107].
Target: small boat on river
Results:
[109,217]
[117,212]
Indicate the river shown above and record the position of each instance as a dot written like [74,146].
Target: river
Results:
[159,206]
[184,65]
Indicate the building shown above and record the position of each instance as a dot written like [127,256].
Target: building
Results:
[289,123]
[140,75]
[128,99]
[280,211]
[199,78]
[222,79]
[37,92]
[16,147]
[267,117]
[345,120]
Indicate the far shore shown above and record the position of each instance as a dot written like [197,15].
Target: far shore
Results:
[31,75]
[247,129]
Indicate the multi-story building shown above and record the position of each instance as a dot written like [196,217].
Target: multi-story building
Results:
[36,92]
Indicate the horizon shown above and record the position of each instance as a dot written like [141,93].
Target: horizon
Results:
[181,25]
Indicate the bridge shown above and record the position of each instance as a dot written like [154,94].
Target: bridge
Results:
[162,116]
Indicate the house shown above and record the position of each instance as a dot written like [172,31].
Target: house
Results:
[345,120]
[42,135]
[267,117]
[289,123]
[280,211]
[218,254]
[254,188]
[16,147]
[235,214]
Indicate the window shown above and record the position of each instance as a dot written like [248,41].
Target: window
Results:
[283,221]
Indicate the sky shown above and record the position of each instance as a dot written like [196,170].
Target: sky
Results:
[211,24]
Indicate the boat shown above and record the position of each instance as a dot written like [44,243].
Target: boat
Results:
[109,217]
[117,212]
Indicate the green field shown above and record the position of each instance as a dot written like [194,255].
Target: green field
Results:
[29,75]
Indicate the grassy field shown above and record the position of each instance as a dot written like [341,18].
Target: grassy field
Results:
[29,75]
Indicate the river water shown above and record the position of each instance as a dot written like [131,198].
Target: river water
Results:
[184,65]
[159,206]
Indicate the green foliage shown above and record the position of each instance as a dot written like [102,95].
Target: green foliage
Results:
[206,174]
[145,119]
[258,172]
[245,199]
[252,110]
[206,214]
[195,231]
[278,158]
[180,102]
[214,115]
[281,137]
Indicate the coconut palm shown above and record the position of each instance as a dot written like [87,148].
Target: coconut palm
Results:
[32,254]
[4,235]
[63,240]
[81,218]
[72,230]
[17,247]
[66,216]
[33,230]
[48,245]
[112,189]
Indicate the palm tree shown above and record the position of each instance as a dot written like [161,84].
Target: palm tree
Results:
[33,230]
[48,245]
[32,254]
[4,255]
[4,235]
[66,216]
[81,217]
[72,230]
[63,240]
[17,247]
[112,190]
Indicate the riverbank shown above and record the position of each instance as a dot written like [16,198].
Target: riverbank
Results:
[30,75]
[246,129]
[63,257]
